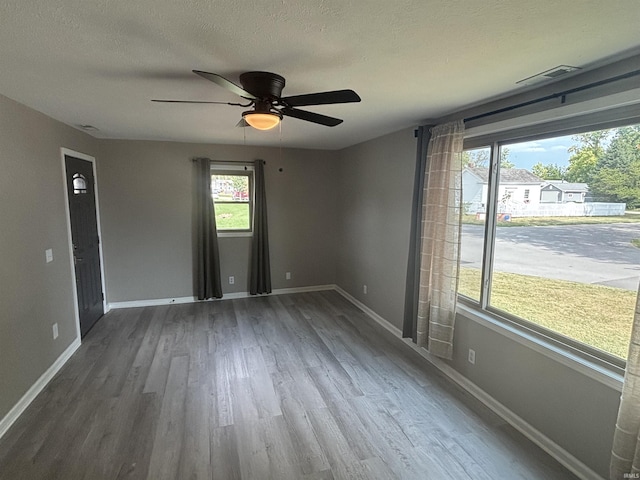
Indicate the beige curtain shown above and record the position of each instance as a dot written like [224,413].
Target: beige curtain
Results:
[625,456]
[440,255]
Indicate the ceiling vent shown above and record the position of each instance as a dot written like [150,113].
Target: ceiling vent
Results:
[551,74]
[88,128]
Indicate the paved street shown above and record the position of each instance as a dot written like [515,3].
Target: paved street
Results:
[598,254]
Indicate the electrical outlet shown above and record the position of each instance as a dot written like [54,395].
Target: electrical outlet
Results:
[364,289]
[472,356]
[232,280]
[55,331]
[287,275]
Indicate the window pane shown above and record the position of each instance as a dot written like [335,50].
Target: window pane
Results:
[79,184]
[233,216]
[230,188]
[567,247]
[232,198]
[474,198]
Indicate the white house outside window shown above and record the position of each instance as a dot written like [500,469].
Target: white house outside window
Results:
[562,221]
[232,192]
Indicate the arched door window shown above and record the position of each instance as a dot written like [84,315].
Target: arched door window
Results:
[79,184]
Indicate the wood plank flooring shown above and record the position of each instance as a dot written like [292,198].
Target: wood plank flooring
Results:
[300,386]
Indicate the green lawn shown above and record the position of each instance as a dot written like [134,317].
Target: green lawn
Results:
[597,315]
[232,216]
[544,221]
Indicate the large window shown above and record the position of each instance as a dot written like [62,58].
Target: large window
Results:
[232,193]
[551,235]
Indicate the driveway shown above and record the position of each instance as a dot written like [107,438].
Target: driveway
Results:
[598,254]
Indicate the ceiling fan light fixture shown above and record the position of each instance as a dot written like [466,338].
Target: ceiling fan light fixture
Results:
[262,120]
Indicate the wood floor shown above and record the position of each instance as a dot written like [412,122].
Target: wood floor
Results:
[300,386]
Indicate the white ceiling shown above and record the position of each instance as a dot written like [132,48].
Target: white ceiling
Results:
[100,62]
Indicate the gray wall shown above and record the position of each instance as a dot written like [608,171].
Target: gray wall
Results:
[576,412]
[33,294]
[146,194]
[376,181]
[376,188]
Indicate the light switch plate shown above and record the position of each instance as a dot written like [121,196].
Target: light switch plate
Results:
[48,255]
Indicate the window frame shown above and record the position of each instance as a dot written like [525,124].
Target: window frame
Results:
[222,168]
[595,358]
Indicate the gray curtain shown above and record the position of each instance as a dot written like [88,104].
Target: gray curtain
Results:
[260,274]
[208,282]
[409,327]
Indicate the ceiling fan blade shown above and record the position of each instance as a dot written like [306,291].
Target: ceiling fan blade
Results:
[311,117]
[242,123]
[322,98]
[192,101]
[224,83]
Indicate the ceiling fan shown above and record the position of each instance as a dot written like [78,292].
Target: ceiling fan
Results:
[263,92]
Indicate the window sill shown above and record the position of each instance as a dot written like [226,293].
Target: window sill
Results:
[234,234]
[609,375]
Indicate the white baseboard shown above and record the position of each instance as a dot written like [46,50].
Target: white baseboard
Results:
[380,320]
[556,451]
[150,303]
[312,288]
[36,388]
[227,296]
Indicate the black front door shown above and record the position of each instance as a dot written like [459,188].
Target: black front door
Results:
[84,234]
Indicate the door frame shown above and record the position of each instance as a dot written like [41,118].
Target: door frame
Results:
[82,156]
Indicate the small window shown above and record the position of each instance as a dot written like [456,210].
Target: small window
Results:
[79,184]
[526,193]
[232,194]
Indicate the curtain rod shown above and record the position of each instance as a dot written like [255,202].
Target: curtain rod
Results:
[562,95]
[230,162]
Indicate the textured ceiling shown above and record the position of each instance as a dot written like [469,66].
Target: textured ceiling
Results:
[100,62]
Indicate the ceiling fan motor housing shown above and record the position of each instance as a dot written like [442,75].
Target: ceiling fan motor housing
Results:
[264,85]
[263,91]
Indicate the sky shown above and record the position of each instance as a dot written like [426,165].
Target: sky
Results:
[547,151]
